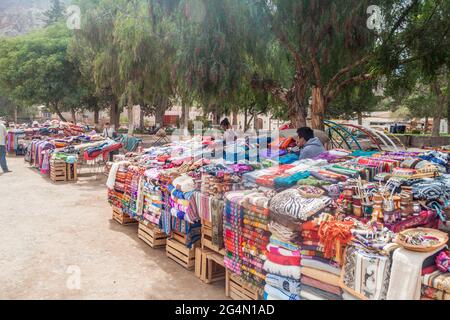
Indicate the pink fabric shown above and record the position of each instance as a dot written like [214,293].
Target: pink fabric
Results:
[320,285]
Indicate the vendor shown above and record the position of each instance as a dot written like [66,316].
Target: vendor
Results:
[108,131]
[308,145]
[229,134]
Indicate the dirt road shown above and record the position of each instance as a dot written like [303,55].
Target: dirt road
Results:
[59,242]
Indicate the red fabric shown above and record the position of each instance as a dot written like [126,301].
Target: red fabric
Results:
[429,270]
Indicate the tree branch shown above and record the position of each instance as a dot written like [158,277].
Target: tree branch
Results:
[270,86]
[344,71]
[402,18]
[343,84]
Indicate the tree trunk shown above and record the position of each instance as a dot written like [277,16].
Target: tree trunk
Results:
[245,120]
[317,109]
[114,114]
[438,110]
[15,114]
[425,127]
[58,112]
[142,120]
[448,105]
[255,120]
[96,114]
[74,115]
[130,116]
[360,117]
[235,120]
[159,114]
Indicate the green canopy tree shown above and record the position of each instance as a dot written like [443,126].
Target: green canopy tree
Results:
[423,44]
[35,69]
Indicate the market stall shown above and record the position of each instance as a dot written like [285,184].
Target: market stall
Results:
[345,225]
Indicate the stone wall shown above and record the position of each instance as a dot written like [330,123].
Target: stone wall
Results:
[412,141]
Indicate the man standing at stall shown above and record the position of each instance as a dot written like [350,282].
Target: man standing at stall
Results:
[3,134]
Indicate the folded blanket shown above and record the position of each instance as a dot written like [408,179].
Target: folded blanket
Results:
[285,271]
[437,280]
[312,293]
[320,285]
[321,276]
[310,296]
[282,256]
[280,294]
[433,293]
[366,273]
[287,284]
[410,263]
[284,244]
[292,204]
[320,266]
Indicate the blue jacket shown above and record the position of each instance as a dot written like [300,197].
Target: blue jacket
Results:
[312,149]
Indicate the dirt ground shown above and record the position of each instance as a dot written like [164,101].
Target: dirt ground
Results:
[58,241]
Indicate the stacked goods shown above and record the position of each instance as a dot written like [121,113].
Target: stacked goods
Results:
[153,202]
[331,228]
[232,231]
[288,210]
[320,262]
[436,285]
[255,237]
[116,195]
[132,182]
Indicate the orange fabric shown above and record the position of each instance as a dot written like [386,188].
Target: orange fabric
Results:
[334,235]
[286,143]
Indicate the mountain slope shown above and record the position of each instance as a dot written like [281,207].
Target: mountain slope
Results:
[21,16]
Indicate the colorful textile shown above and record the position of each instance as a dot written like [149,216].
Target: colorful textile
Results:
[437,280]
[287,284]
[292,204]
[320,285]
[323,276]
[366,273]
[434,294]
[285,271]
[279,293]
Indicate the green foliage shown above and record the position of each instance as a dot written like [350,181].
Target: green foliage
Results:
[55,13]
[34,69]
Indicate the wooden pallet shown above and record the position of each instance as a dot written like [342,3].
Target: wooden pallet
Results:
[206,239]
[180,253]
[238,289]
[121,217]
[209,266]
[152,235]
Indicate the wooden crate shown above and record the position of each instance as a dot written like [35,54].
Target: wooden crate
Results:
[58,170]
[209,266]
[152,235]
[180,253]
[180,237]
[238,289]
[121,217]
[71,172]
[207,238]
[62,171]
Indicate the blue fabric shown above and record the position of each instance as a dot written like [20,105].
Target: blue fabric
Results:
[289,158]
[290,181]
[3,164]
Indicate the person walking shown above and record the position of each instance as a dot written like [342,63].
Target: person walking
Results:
[3,134]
